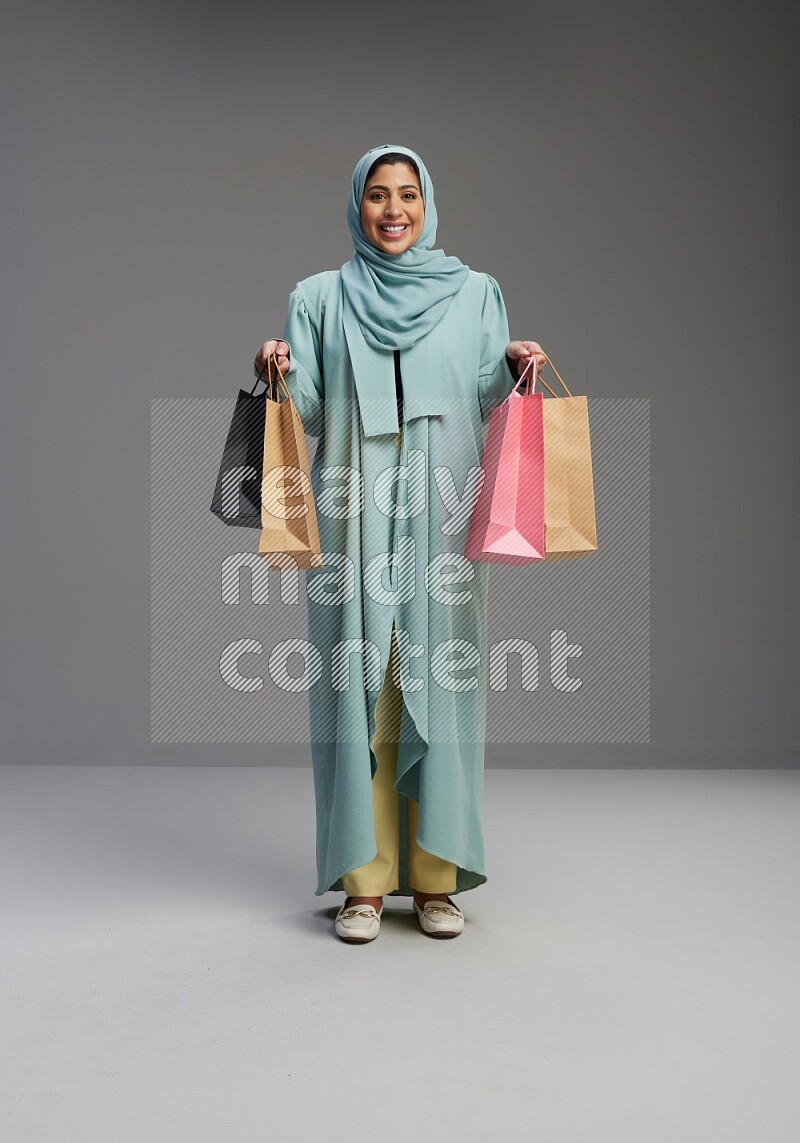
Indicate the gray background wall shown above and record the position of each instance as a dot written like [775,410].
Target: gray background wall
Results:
[627,172]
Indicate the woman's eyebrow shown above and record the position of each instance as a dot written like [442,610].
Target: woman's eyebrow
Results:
[405,186]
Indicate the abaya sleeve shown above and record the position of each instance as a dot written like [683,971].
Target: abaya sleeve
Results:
[495,379]
[304,377]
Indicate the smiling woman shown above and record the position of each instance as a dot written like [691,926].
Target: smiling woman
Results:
[398,771]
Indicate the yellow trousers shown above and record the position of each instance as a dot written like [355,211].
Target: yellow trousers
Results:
[426,872]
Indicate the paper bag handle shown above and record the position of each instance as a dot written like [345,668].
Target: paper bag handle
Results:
[529,387]
[270,380]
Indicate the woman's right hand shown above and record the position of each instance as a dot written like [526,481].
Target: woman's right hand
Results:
[274,346]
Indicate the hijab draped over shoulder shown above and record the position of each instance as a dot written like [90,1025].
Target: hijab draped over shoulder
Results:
[391,301]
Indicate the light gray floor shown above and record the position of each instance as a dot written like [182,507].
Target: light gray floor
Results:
[628,973]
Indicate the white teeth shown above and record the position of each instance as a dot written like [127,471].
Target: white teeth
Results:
[393,229]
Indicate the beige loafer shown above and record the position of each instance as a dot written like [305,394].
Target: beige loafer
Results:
[440,918]
[357,923]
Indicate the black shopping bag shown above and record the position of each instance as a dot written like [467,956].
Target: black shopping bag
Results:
[237,495]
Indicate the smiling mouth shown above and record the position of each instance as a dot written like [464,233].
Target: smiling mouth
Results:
[394,232]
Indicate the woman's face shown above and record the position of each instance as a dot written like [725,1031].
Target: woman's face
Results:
[392,198]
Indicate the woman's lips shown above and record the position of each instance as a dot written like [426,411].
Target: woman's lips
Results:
[395,234]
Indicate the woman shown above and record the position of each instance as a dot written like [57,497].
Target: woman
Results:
[395,362]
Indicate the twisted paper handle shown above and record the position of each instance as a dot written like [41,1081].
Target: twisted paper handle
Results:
[270,380]
[529,387]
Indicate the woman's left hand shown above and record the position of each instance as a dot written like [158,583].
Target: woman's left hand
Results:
[519,354]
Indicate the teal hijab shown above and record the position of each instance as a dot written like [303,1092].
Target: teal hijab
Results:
[391,301]
[398,298]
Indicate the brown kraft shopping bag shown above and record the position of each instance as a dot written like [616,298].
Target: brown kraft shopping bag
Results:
[569,509]
[289,530]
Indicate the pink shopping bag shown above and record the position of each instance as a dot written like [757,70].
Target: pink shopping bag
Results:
[507,524]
